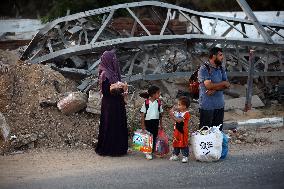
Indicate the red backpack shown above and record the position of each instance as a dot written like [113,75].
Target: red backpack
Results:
[193,80]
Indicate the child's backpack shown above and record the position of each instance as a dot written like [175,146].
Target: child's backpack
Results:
[193,81]
[147,102]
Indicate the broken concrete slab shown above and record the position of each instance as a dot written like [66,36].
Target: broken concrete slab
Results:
[253,123]
[87,84]
[4,128]
[74,71]
[239,103]
[263,122]
[94,102]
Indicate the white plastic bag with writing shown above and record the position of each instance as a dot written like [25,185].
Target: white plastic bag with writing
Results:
[207,145]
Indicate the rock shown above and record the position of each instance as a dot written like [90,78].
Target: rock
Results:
[31,145]
[4,128]
[24,140]
[41,135]
[47,102]
[238,141]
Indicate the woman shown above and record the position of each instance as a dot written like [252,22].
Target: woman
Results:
[113,133]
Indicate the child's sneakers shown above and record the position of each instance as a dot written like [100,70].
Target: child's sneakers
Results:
[149,156]
[184,159]
[174,158]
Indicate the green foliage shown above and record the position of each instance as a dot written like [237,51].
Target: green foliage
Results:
[60,7]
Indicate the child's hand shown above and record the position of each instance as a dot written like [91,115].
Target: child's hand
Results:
[143,128]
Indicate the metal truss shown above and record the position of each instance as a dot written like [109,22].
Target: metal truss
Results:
[79,38]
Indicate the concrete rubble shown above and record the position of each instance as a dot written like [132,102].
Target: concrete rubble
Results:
[94,102]
[24,141]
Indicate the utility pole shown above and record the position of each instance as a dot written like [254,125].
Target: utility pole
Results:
[250,81]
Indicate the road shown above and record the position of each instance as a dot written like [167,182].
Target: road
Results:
[84,169]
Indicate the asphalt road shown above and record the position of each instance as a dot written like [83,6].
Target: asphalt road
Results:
[133,171]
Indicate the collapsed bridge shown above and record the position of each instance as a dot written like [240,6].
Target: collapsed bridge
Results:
[153,43]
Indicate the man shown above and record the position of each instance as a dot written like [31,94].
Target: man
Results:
[212,80]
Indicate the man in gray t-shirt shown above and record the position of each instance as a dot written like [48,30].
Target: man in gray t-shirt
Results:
[212,80]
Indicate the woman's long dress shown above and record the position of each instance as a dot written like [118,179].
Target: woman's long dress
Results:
[113,133]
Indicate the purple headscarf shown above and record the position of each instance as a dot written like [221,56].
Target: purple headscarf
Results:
[109,68]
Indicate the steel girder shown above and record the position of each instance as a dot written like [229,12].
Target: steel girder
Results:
[76,35]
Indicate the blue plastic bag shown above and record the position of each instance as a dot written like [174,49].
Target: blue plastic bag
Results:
[225,146]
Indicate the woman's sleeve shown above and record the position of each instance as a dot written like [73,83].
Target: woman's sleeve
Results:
[106,89]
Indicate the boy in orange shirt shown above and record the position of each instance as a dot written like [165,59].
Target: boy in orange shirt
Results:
[181,117]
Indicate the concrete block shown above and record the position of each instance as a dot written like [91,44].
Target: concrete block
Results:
[263,122]
[239,103]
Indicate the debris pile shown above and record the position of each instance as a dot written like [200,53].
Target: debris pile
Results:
[246,137]
[25,91]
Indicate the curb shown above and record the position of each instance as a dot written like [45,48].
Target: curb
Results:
[274,122]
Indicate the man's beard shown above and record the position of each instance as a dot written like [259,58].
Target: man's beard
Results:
[218,62]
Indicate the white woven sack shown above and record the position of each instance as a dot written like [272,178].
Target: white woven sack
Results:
[207,147]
